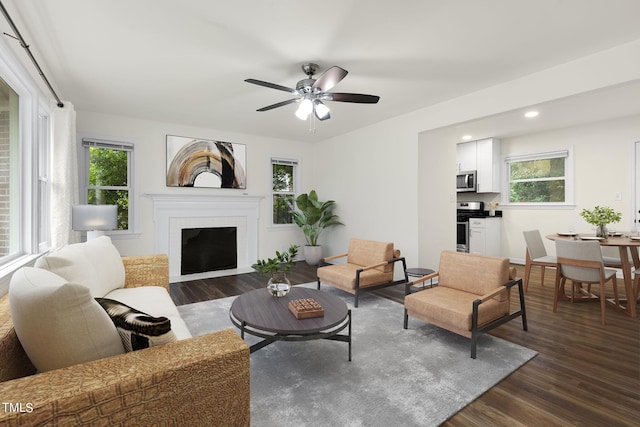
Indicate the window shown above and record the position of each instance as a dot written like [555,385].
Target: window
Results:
[107,177]
[284,174]
[10,231]
[541,178]
[24,167]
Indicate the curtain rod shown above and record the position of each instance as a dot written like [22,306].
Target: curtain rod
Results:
[19,37]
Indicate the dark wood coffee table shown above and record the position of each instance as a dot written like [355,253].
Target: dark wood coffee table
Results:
[260,314]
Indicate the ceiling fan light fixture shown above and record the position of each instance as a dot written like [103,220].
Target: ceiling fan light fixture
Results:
[321,110]
[305,108]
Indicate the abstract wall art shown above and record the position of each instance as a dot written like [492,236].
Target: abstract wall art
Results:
[195,162]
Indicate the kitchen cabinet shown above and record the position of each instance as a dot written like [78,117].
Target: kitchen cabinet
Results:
[466,156]
[488,165]
[482,156]
[484,236]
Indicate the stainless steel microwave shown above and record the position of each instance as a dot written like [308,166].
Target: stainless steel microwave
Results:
[466,181]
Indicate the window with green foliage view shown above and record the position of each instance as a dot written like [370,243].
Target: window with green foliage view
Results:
[538,180]
[109,178]
[283,191]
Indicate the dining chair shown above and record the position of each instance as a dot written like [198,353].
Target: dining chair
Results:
[581,262]
[536,255]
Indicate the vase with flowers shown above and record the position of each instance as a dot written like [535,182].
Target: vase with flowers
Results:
[278,285]
[601,217]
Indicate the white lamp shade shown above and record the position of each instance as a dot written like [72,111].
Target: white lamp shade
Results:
[321,110]
[94,217]
[305,108]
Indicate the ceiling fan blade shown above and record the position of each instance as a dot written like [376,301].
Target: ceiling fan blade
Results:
[352,97]
[270,85]
[330,78]
[279,104]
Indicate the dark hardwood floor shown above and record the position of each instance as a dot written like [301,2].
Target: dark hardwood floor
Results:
[585,374]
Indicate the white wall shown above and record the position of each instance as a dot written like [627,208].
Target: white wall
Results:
[372,176]
[149,138]
[602,167]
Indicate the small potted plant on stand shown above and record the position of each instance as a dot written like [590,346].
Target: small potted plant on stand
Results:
[601,217]
[313,216]
[278,285]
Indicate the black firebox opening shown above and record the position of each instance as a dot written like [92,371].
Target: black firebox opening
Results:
[208,249]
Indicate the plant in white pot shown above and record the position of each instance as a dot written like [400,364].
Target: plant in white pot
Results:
[312,217]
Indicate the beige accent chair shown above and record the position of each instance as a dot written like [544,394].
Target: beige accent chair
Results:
[369,266]
[203,380]
[582,262]
[473,296]
[536,256]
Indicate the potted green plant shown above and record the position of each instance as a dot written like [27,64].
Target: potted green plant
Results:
[278,285]
[312,217]
[601,217]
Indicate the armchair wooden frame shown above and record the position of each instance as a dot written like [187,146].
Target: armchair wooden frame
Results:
[477,330]
[358,289]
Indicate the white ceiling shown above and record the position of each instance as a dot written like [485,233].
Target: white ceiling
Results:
[185,61]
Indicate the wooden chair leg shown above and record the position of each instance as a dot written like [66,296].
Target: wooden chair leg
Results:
[557,291]
[603,301]
[527,273]
[542,275]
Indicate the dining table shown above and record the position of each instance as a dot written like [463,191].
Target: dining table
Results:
[628,247]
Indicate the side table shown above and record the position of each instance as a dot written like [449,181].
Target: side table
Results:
[419,272]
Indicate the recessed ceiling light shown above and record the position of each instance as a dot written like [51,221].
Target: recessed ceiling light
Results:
[531,114]
[467,137]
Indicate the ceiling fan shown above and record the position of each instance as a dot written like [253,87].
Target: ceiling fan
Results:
[311,93]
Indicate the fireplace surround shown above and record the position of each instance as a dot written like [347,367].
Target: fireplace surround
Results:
[174,212]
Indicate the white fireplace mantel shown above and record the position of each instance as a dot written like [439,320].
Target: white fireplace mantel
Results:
[171,212]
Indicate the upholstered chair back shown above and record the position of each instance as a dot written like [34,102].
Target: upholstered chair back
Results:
[370,252]
[477,274]
[579,250]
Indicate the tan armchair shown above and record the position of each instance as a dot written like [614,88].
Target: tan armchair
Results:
[369,265]
[197,381]
[472,296]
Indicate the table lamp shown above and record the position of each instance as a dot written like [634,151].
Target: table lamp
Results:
[94,219]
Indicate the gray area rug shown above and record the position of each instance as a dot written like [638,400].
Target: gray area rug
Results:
[415,377]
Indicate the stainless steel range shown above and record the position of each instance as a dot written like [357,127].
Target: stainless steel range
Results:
[464,211]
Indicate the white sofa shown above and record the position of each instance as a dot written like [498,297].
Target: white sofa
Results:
[202,380]
[55,313]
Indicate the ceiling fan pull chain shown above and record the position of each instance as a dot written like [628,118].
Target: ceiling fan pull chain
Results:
[312,122]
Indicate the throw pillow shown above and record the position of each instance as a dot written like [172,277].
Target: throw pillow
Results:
[58,323]
[95,264]
[137,329]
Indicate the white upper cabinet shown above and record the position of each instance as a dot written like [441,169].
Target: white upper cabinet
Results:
[488,160]
[482,156]
[466,156]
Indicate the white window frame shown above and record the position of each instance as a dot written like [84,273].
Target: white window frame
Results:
[34,130]
[84,142]
[296,185]
[566,153]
